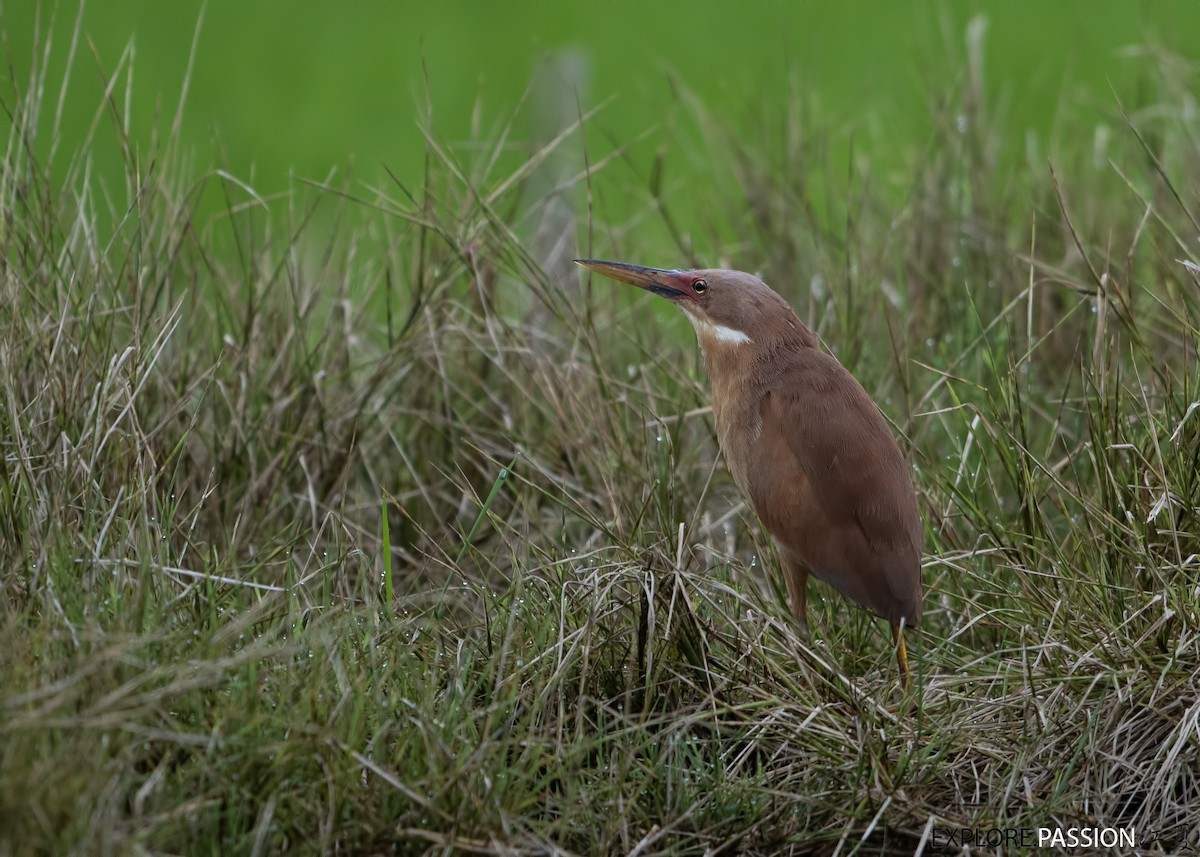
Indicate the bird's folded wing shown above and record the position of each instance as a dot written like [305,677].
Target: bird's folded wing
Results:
[844,447]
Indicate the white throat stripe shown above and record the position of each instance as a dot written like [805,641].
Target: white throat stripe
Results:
[718,331]
[728,334]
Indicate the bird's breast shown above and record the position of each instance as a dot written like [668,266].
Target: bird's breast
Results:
[737,417]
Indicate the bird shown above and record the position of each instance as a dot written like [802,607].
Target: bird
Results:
[804,442]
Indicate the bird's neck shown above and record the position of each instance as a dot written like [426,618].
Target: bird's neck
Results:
[727,348]
[735,360]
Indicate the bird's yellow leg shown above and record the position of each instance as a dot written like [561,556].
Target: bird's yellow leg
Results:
[901,653]
[797,584]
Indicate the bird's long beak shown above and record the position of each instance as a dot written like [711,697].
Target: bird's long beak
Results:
[668,284]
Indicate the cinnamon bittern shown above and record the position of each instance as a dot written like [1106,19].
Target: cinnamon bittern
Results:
[804,442]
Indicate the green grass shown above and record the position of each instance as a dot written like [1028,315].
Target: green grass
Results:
[567,631]
[338,93]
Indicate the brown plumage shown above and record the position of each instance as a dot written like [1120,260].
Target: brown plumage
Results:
[804,442]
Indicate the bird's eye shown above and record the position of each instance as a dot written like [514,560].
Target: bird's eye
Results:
[700,286]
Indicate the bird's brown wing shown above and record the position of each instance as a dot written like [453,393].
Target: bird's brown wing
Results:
[833,487]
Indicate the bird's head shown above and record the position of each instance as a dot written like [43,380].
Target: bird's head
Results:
[729,307]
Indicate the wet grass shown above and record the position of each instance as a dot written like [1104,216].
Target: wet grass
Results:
[565,632]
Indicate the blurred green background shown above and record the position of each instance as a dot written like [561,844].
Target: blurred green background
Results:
[307,88]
